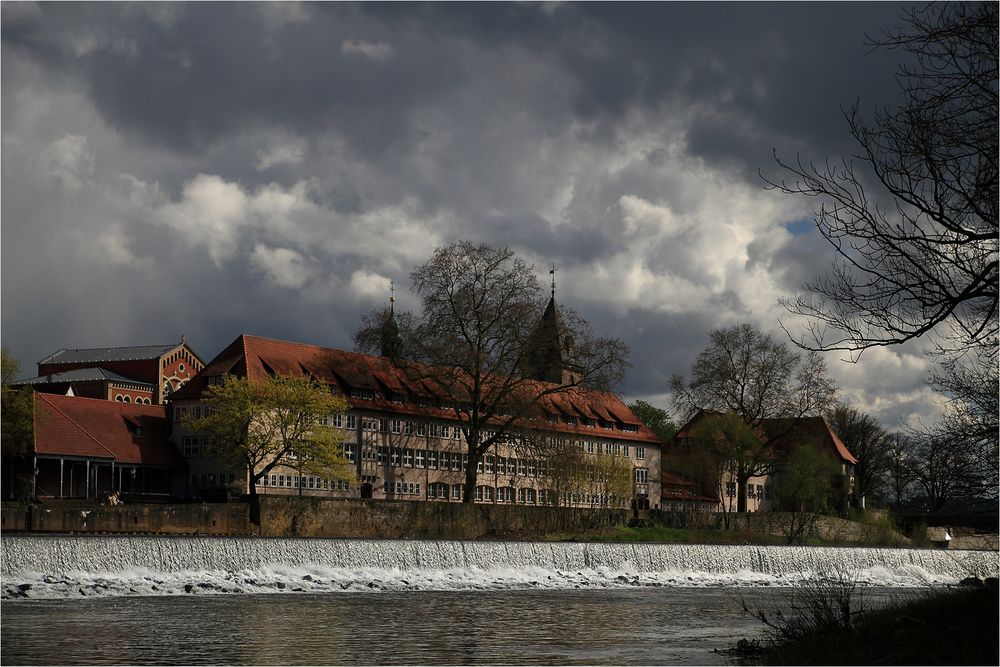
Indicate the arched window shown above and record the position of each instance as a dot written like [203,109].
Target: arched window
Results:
[126,399]
[119,398]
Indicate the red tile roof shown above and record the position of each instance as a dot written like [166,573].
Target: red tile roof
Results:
[785,433]
[254,357]
[94,428]
[789,432]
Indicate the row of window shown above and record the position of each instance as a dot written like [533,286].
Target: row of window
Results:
[758,491]
[304,481]
[211,479]
[371,395]
[182,412]
[444,431]
[500,494]
[139,400]
[455,461]
[194,447]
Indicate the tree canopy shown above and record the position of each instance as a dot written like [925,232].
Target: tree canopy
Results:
[864,437]
[913,216]
[723,449]
[17,413]
[484,340]
[279,421]
[656,419]
[745,371]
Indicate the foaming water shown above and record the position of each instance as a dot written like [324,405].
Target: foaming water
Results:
[87,566]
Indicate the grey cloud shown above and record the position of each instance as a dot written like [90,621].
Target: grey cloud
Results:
[506,123]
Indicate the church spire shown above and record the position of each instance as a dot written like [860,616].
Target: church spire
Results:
[549,353]
[390,342]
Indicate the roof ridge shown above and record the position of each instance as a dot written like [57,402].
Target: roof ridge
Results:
[313,345]
[113,347]
[73,422]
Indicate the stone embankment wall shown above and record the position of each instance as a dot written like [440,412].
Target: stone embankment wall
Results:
[203,519]
[313,517]
[346,518]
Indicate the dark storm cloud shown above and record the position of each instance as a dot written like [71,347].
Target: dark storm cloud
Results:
[215,68]
[218,168]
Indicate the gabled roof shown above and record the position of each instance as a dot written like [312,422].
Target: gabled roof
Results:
[97,355]
[787,432]
[80,375]
[255,357]
[99,429]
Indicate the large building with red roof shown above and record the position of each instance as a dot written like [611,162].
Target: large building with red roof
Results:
[87,447]
[402,442]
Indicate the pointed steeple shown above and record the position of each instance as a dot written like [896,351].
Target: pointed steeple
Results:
[389,340]
[549,351]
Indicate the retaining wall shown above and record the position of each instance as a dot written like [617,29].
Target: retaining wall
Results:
[203,519]
[315,517]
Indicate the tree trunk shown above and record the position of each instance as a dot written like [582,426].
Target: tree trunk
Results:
[741,494]
[469,487]
[254,501]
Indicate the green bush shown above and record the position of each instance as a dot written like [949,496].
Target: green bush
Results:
[918,535]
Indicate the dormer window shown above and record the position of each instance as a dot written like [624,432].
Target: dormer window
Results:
[363,394]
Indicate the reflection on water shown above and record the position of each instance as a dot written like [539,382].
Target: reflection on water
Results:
[650,626]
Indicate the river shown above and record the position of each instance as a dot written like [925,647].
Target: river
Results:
[159,600]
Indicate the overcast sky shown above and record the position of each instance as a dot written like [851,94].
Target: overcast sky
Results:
[227,168]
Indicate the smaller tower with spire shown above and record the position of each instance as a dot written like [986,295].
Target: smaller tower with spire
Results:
[549,353]
[389,340]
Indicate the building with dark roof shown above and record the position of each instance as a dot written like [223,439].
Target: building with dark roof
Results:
[403,441]
[86,447]
[142,374]
[781,436]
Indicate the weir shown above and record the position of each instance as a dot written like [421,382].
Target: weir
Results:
[71,566]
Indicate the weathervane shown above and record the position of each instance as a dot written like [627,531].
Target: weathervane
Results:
[392,294]
[552,272]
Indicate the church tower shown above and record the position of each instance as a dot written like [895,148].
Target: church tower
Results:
[549,351]
[390,343]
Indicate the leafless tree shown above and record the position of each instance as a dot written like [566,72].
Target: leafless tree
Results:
[746,374]
[864,437]
[930,256]
[745,371]
[475,336]
[946,467]
[898,479]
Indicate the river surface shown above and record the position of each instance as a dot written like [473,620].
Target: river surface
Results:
[230,600]
[543,627]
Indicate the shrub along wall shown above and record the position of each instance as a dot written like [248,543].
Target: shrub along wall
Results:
[827,528]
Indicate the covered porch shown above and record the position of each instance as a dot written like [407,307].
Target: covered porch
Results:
[93,478]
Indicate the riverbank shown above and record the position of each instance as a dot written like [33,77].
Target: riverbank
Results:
[282,516]
[955,626]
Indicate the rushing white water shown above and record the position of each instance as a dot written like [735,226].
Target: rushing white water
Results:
[74,566]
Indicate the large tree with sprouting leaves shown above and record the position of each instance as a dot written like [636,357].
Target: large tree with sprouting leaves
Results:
[474,337]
